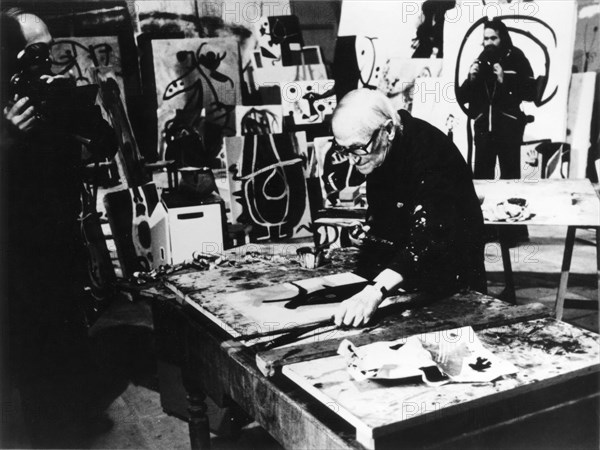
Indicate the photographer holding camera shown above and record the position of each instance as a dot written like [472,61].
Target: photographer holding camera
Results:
[45,122]
[498,81]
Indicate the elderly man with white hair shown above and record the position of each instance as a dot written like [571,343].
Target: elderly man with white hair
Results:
[425,226]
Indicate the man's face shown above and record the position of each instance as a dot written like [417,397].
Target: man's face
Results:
[491,38]
[34,29]
[376,148]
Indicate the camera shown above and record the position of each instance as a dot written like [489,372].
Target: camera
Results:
[60,104]
[488,58]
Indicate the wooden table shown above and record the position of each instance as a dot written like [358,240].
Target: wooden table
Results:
[232,373]
[553,202]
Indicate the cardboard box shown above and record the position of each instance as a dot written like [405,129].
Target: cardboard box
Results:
[180,229]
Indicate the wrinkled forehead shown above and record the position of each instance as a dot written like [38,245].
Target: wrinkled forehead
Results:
[351,126]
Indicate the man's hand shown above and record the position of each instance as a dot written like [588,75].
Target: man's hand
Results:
[359,309]
[357,233]
[21,114]
[474,71]
[499,72]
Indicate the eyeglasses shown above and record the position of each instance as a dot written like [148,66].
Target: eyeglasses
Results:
[356,150]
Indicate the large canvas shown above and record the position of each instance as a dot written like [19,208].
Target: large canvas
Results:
[406,29]
[434,101]
[267,181]
[399,76]
[544,31]
[196,76]
[308,102]
[366,62]
[77,55]
[307,65]
[278,37]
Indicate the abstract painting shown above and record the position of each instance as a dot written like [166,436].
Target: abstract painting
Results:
[267,177]
[544,31]
[77,55]
[335,172]
[278,38]
[398,78]
[406,29]
[358,63]
[266,119]
[308,102]
[129,212]
[197,85]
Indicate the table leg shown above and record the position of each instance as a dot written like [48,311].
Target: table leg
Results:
[598,262]
[564,274]
[509,291]
[198,421]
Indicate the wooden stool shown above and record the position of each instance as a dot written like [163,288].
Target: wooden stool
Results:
[564,275]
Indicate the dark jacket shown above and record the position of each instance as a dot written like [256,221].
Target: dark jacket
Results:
[44,260]
[505,98]
[423,201]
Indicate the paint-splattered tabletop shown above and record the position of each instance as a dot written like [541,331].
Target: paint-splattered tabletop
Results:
[545,351]
[549,201]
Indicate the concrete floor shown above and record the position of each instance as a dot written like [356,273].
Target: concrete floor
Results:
[137,417]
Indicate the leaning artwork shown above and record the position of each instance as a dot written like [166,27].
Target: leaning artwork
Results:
[197,83]
[267,181]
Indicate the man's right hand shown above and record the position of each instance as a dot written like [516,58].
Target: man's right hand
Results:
[21,114]
[474,71]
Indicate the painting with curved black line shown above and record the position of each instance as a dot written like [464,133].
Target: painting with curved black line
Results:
[308,102]
[545,32]
[129,212]
[267,181]
[77,55]
[264,119]
[404,29]
[277,37]
[200,77]
[335,172]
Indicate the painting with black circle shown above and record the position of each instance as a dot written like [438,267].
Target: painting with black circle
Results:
[267,180]
[308,102]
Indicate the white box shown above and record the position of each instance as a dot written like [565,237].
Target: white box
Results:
[178,232]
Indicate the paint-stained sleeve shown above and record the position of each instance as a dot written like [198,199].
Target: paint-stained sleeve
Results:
[429,259]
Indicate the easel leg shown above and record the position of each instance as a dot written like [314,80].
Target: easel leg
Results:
[509,289]
[198,422]
[564,274]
